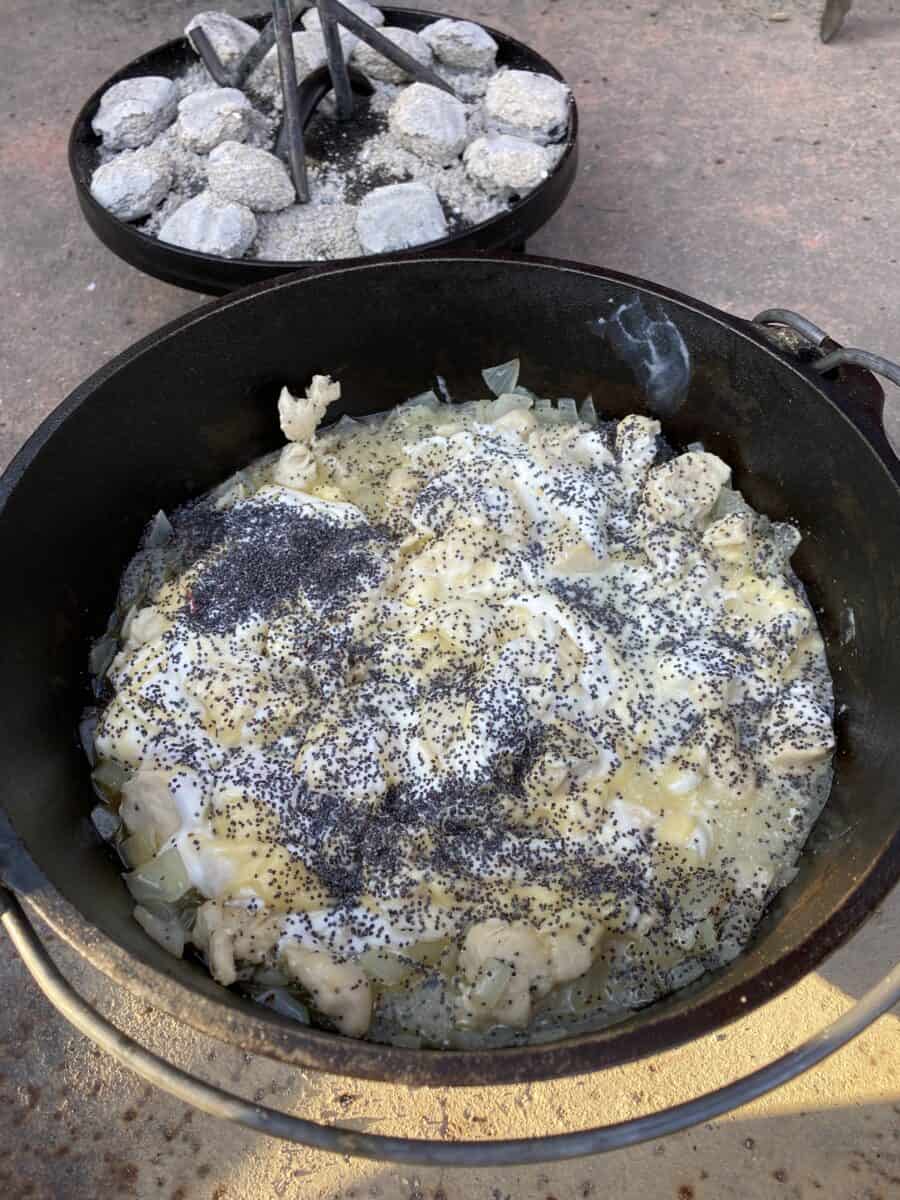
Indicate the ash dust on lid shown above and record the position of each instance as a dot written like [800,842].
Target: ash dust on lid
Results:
[654,350]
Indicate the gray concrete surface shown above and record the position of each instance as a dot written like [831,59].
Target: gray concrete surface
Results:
[724,153]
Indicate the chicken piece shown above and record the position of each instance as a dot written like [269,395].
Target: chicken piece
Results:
[299,415]
[530,972]
[684,490]
[508,965]
[296,467]
[731,538]
[799,731]
[637,444]
[340,990]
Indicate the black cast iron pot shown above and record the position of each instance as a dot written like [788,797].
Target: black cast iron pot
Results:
[190,404]
[214,275]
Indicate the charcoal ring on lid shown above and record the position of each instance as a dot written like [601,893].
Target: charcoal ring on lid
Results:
[216,275]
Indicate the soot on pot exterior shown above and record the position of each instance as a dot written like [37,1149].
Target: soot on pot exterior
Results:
[193,402]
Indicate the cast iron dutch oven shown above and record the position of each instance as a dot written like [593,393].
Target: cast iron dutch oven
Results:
[178,412]
[214,275]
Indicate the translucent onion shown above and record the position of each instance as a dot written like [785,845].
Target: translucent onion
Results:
[384,968]
[160,567]
[706,934]
[109,777]
[343,425]
[168,934]
[427,399]
[128,621]
[163,878]
[238,487]
[160,531]
[509,402]
[87,730]
[491,982]
[286,1005]
[133,583]
[568,409]
[728,502]
[781,542]
[471,408]
[429,954]
[502,378]
[588,412]
[105,821]
[138,849]
[103,651]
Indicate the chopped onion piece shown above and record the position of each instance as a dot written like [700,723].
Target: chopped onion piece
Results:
[160,532]
[163,878]
[133,584]
[105,821]
[491,982]
[706,934]
[184,912]
[588,411]
[281,1001]
[729,501]
[138,849]
[502,378]
[343,425]
[470,408]
[128,621]
[568,409]
[429,954]
[103,651]
[427,399]
[509,402]
[168,934]
[384,968]
[238,487]
[160,567]
[524,391]
[778,545]
[109,778]
[87,729]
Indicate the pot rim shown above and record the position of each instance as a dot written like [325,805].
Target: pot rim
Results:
[255,1029]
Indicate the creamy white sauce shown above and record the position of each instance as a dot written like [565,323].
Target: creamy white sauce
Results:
[472,664]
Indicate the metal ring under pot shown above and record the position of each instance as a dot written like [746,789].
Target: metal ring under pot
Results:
[421,1151]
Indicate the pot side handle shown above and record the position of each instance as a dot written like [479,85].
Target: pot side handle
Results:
[861,395]
[506,1152]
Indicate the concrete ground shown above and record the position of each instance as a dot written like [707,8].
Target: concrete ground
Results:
[726,153]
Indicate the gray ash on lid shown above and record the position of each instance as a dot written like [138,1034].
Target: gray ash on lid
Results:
[262,555]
